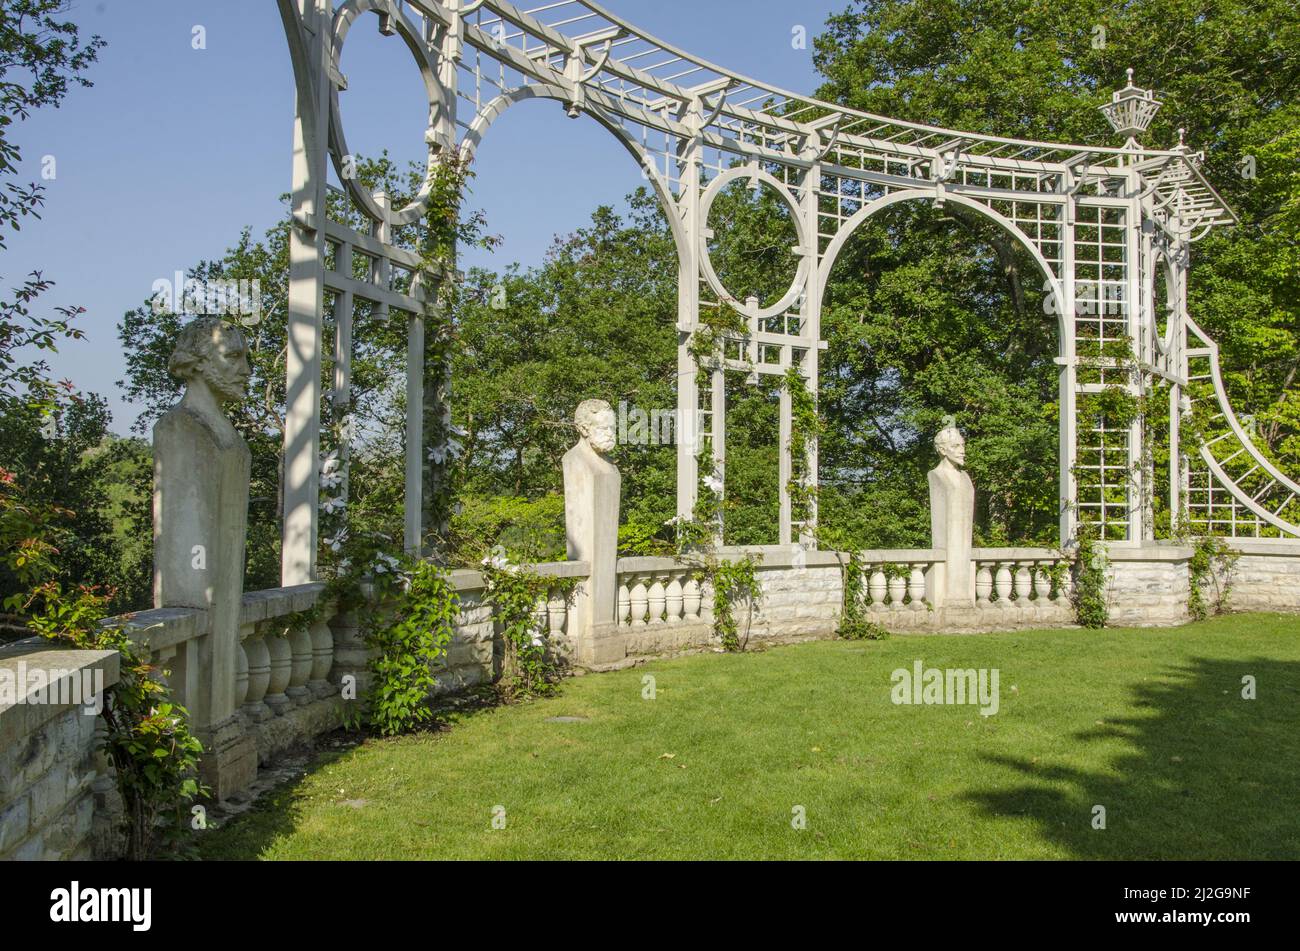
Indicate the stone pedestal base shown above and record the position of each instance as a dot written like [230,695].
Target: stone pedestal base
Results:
[604,647]
[229,761]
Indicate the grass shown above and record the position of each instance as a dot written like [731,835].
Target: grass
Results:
[1150,724]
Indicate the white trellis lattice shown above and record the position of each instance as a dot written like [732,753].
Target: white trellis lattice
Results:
[1100,218]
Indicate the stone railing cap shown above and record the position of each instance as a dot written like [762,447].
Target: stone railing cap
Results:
[19,719]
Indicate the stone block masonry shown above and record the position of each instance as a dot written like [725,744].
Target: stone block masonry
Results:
[48,759]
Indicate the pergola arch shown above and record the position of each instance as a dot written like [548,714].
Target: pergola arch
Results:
[493,111]
[850,227]
[1090,216]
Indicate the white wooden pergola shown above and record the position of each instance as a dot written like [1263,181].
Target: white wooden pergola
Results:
[1100,222]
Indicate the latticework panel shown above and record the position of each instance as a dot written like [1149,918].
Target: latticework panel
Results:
[1233,487]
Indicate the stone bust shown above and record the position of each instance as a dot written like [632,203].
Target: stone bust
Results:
[596,424]
[211,359]
[951,446]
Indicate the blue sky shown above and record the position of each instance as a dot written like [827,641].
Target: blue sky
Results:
[175,150]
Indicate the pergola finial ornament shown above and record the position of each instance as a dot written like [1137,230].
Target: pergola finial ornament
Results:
[1131,110]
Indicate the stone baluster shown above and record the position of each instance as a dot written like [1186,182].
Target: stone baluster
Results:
[1042,583]
[1024,585]
[691,599]
[877,586]
[983,584]
[1066,585]
[657,600]
[542,617]
[624,604]
[281,664]
[300,660]
[897,590]
[639,602]
[322,660]
[916,587]
[1002,585]
[258,659]
[675,600]
[558,613]
[241,676]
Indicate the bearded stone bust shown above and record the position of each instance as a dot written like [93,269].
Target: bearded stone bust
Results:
[211,359]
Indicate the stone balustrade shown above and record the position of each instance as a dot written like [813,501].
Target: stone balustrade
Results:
[1011,578]
[661,591]
[897,580]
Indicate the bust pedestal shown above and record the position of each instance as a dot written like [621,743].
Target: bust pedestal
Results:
[592,486]
[200,507]
[952,522]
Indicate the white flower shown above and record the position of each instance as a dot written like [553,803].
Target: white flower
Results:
[330,506]
[497,559]
[713,484]
[539,640]
[449,450]
[336,542]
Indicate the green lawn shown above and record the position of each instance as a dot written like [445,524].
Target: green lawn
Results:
[1150,724]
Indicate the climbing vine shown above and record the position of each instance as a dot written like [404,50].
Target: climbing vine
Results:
[854,623]
[697,537]
[407,608]
[1089,591]
[732,581]
[1210,567]
[1112,407]
[805,429]
[407,646]
[530,662]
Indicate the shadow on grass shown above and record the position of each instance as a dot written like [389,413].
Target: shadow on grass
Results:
[277,812]
[1198,772]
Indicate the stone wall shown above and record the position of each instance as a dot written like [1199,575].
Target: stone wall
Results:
[1266,577]
[47,751]
[1147,586]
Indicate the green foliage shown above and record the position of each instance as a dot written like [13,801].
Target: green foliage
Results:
[407,644]
[733,581]
[148,740]
[40,57]
[1089,590]
[529,667]
[97,487]
[854,623]
[530,531]
[1225,71]
[1211,566]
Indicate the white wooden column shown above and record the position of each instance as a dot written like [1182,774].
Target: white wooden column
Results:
[688,432]
[1068,380]
[1134,312]
[812,327]
[307,24]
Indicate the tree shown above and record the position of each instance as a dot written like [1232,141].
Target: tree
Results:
[1227,73]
